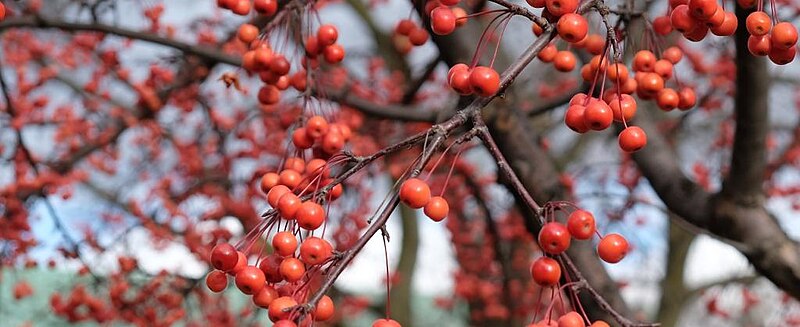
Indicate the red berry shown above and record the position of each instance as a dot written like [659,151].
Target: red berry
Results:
[284,243]
[687,98]
[574,118]
[484,80]
[458,79]
[317,127]
[561,7]
[333,54]
[546,271]
[265,296]
[759,45]
[783,36]
[217,281]
[443,21]
[266,7]
[324,309]
[314,251]
[247,33]
[703,9]
[598,115]
[270,265]
[728,26]
[415,193]
[632,139]
[643,61]
[554,238]
[327,35]
[623,107]
[250,280]
[224,257]
[278,308]
[758,23]
[572,28]
[437,208]
[681,20]
[667,99]
[310,216]
[571,319]
[418,36]
[782,56]
[288,205]
[564,61]
[274,195]
[581,225]
[292,269]
[612,248]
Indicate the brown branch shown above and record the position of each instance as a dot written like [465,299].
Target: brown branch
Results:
[207,53]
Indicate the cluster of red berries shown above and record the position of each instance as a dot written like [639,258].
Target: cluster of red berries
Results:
[569,319]
[273,281]
[330,138]
[555,238]
[778,42]
[695,18]
[324,43]
[243,7]
[416,194]
[481,80]
[555,8]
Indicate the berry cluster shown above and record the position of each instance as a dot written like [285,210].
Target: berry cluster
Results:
[243,7]
[777,42]
[554,239]
[416,194]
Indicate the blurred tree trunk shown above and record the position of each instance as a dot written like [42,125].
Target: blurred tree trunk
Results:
[401,294]
[673,289]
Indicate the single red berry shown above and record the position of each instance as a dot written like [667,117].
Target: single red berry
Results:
[581,225]
[327,35]
[703,9]
[270,265]
[561,7]
[284,243]
[443,21]
[758,23]
[275,194]
[681,20]
[484,80]
[662,25]
[643,61]
[687,98]
[546,271]
[632,139]
[310,216]
[333,54]
[217,281]
[623,107]
[418,36]
[224,256]
[612,248]
[250,280]
[564,61]
[667,99]
[728,26]
[437,208]
[278,308]
[783,36]
[292,269]
[598,115]
[415,193]
[288,205]
[265,296]
[554,238]
[314,251]
[574,118]
[672,54]
[572,28]
[571,319]
[266,7]
[759,45]
[782,56]
[247,33]
[324,309]
[548,53]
